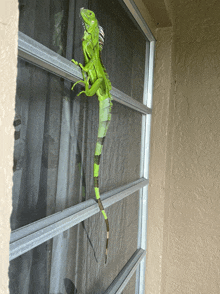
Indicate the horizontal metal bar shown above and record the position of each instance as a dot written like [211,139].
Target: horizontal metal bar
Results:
[40,55]
[34,234]
[126,273]
[139,19]
[129,102]
[43,57]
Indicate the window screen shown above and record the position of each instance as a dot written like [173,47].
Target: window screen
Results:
[55,137]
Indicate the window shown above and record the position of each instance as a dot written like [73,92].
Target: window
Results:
[58,235]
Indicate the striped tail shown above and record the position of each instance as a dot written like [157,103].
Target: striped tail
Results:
[104,120]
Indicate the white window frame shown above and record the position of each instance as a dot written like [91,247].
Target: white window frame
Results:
[36,233]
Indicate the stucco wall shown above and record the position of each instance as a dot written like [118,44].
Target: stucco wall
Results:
[184,202]
[151,22]
[158,160]
[8,70]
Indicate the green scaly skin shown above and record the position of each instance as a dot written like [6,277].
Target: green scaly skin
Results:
[95,74]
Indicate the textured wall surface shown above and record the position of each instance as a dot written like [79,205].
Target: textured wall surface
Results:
[158,11]
[141,5]
[8,72]
[191,211]
[159,128]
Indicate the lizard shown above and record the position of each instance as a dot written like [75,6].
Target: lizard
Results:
[95,75]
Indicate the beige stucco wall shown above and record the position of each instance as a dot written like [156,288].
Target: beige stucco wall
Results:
[141,5]
[158,160]
[8,70]
[184,193]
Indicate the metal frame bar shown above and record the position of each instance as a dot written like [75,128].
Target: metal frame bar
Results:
[40,55]
[34,234]
[144,172]
[145,141]
[119,283]
[129,102]
[139,19]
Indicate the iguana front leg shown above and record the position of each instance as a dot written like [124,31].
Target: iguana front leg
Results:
[79,64]
[83,73]
[87,67]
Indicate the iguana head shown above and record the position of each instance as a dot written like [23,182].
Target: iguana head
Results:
[88,17]
[91,26]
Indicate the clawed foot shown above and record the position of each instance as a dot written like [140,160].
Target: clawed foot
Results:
[75,62]
[86,83]
[81,93]
[86,87]
[78,63]
[81,81]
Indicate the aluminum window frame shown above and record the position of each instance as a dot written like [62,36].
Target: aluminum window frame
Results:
[36,233]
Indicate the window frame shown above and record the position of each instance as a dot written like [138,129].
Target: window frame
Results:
[36,233]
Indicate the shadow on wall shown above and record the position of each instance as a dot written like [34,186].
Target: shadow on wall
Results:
[70,287]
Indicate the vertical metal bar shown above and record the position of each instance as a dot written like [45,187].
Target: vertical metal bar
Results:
[143,135]
[77,54]
[60,242]
[144,169]
[121,280]
[80,189]
[82,153]
[151,74]
[145,96]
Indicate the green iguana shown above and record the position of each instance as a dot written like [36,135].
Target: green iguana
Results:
[95,74]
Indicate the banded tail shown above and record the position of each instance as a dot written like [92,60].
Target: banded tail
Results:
[104,120]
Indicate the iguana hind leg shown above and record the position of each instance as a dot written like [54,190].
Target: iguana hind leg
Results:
[81,81]
[93,89]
